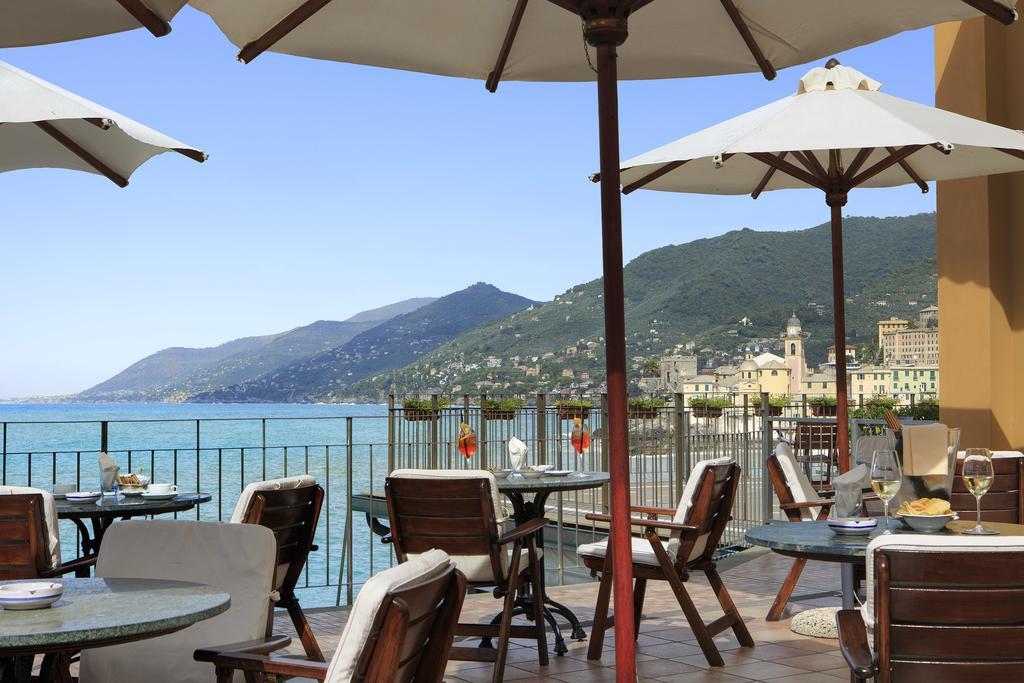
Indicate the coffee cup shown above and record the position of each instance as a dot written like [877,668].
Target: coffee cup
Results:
[162,488]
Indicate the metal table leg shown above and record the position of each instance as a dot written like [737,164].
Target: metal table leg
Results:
[848,583]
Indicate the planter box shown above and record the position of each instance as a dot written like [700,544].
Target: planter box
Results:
[498,414]
[570,412]
[643,413]
[824,411]
[774,411]
[417,415]
[701,411]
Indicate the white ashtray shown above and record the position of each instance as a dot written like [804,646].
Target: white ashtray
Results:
[542,468]
[84,496]
[31,595]
[853,526]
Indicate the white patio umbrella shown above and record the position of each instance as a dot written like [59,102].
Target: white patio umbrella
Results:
[837,133]
[546,40]
[43,126]
[39,22]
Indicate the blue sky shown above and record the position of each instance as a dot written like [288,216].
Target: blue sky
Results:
[332,188]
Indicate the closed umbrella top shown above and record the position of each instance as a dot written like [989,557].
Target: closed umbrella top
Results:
[680,39]
[38,22]
[44,126]
[836,108]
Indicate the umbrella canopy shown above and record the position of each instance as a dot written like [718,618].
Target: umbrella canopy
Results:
[549,40]
[836,133]
[43,126]
[38,22]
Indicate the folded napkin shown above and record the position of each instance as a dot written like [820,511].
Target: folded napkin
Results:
[108,472]
[517,447]
[925,450]
[849,486]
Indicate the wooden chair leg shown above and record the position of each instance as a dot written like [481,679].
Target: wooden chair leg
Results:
[306,635]
[739,627]
[786,590]
[639,591]
[604,594]
[509,605]
[538,603]
[700,630]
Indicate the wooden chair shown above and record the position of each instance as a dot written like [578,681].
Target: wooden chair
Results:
[800,502]
[816,445]
[457,511]
[30,537]
[697,526]
[400,630]
[1004,501]
[942,609]
[292,513]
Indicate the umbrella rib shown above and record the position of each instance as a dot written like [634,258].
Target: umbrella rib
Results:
[767,177]
[858,161]
[789,169]
[816,167]
[494,77]
[81,153]
[654,175]
[152,21]
[894,158]
[910,171]
[744,30]
[255,48]
[998,11]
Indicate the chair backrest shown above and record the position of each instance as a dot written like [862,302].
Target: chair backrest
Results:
[1005,500]
[236,558]
[245,499]
[451,510]
[48,510]
[707,504]
[23,552]
[292,514]
[791,483]
[816,436]
[948,608]
[401,626]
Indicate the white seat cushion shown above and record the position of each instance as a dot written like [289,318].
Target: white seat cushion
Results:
[682,515]
[477,568]
[911,543]
[245,500]
[360,621]
[235,558]
[49,519]
[642,551]
[996,454]
[797,483]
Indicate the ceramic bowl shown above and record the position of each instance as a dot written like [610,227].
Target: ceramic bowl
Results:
[30,595]
[542,468]
[927,524]
[853,526]
[84,496]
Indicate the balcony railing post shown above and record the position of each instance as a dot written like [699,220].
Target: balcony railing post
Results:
[766,451]
[433,431]
[482,436]
[391,433]
[349,448]
[4,477]
[678,415]
[104,432]
[542,432]
[605,447]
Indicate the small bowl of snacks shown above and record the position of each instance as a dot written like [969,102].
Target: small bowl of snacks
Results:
[499,473]
[132,484]
[926,515]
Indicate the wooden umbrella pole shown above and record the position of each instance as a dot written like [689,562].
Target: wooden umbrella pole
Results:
[836,201]
[606,33]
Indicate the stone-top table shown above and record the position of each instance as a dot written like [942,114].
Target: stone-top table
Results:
[100,612]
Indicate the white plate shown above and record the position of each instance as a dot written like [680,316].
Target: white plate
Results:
[34,595]
[158,496]
[137,492]
[542,468]
[558,473]
[83,496]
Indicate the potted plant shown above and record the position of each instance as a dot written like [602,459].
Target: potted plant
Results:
[925,409]
[876,406]
[823,406]
[500,408]
[644,408]
[567,409]
[709,406]
[420,409]
[776,404]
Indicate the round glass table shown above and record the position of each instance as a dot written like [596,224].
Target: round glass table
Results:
[104,512]
[96,613]
[816,541]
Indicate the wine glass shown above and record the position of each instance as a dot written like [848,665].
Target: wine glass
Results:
[580,440]
[978,475]
[467,441]
[886,478]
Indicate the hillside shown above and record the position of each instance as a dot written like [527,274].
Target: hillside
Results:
[175,373]
[694,292]
[388,346]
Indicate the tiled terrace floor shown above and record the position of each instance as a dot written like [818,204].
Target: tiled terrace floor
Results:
[667,650]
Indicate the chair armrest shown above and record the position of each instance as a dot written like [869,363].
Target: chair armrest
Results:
[523,530]
[853,643]
[73,566]
[633,521]
[653,511]
[260,646]
[271,665]
[809,504]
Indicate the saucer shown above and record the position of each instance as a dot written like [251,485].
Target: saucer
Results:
[158,496]
[83,496]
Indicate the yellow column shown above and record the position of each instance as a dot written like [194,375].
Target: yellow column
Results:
[980,243]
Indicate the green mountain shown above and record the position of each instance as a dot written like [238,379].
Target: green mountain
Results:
[694,292]
[388,346]
[176,373]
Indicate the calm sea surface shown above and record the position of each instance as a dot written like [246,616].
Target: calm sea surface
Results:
[215,449]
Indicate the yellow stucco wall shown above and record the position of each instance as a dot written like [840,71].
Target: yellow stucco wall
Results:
[981,243]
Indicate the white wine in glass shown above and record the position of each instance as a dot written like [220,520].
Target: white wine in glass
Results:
[978,475]
[886,478]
